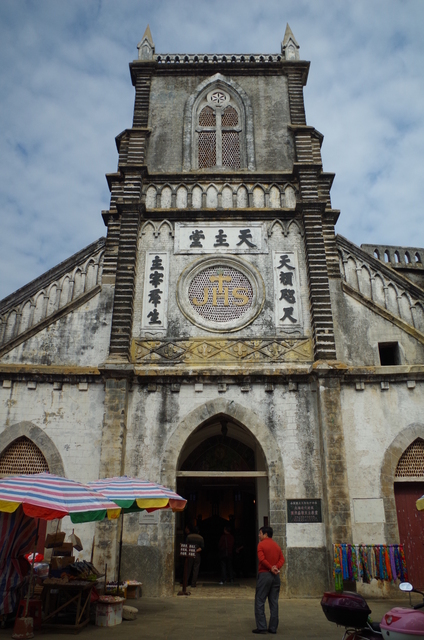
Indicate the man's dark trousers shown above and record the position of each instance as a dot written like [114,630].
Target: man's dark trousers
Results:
[267,586]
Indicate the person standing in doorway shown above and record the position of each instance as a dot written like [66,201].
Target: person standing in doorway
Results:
[195,538]
[271,559]
[226,546]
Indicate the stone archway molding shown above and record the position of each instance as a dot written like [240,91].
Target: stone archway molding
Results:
[39,438]
[259,430]
[387,476]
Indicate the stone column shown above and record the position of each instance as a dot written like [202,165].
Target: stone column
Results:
[112,456]
[336,499]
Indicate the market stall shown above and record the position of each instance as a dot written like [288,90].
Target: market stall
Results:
[66,605]
[48,497]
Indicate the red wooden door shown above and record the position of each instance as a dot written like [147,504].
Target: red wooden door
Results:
[411,528]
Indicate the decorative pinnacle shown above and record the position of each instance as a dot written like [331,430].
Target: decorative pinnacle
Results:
[289,46]
[148,36]
[146,47]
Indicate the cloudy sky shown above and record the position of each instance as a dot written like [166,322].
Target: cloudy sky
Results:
[66,93]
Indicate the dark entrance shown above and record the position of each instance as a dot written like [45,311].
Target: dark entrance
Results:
[411,528]
[214,503]
[218,493]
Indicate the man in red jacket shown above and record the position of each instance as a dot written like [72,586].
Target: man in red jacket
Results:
[271,560]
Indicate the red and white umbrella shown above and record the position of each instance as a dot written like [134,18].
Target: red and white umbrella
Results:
[46,496]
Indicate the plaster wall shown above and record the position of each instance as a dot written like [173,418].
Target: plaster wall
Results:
[72,419]
[372,419]
[81,338]
[269,98]
[358,330]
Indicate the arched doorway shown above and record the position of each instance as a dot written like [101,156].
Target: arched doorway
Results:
[222,473]
[409,486]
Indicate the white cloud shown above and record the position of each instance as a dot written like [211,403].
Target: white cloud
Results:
[66,94]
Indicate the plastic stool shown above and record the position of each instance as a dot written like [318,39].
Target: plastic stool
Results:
[34,611]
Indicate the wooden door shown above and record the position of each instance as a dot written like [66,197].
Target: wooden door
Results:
[411,528]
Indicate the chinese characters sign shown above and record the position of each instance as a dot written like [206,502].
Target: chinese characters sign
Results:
[220,237]
[155,291]
[304,511]
[288,312]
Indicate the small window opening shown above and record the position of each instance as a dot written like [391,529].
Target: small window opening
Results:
[407,258]
[389,353]
[376,254]
[396,256]
[386,256]
[417,257]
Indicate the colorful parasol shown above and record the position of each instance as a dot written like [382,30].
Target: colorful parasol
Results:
[46,496]
[420,503]
[134,494]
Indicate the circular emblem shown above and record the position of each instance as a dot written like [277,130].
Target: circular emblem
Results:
[218,97]
[222,294]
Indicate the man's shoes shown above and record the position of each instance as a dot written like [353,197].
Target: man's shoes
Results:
[271,631]
[259,631]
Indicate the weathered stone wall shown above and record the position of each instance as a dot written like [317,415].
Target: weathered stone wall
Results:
[359,330]
[65,423]
[269,99]
[373,418]
[379,424]
[178,325]
[80,338]
[159,424]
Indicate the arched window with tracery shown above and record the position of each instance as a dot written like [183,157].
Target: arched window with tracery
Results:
[219,129]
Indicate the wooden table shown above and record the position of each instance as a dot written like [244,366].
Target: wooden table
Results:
[67,605]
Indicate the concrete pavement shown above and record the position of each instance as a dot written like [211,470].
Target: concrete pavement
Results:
[214,613]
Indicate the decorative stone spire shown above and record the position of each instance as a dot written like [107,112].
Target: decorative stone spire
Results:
[289,46]
[145,47]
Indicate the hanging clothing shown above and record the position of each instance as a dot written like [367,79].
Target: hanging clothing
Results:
[368,562]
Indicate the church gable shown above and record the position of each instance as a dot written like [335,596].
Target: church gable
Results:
[54,318]
[384,290]
[227,344]
[379,309]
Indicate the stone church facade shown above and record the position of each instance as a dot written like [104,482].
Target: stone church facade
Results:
[221,339]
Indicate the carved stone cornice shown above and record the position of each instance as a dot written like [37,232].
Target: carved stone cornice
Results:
[221,351]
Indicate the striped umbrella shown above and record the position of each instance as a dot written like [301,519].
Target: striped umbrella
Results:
[134,494]
[46,496]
